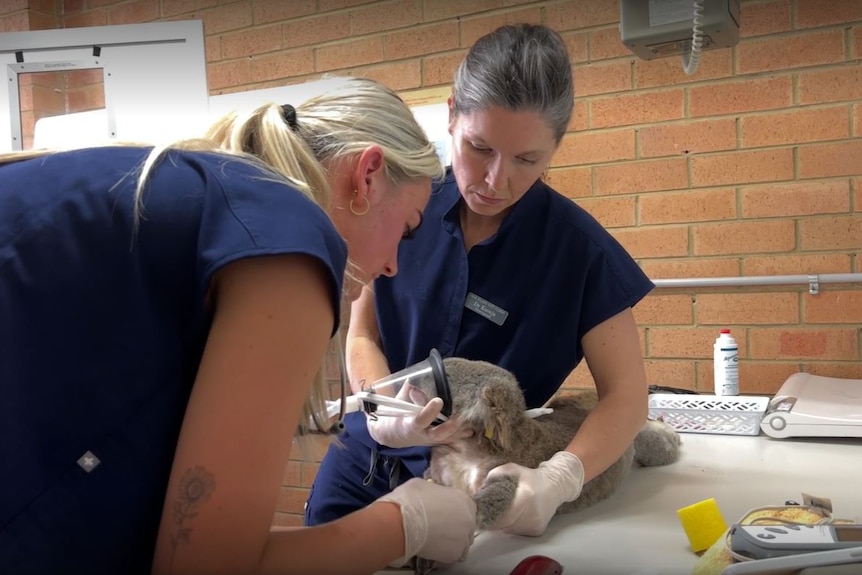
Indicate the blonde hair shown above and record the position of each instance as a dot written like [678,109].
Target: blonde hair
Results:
[338,123]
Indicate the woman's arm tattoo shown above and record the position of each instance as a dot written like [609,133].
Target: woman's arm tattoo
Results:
[196,486]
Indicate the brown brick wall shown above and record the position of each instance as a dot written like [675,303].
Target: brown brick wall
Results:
[753,166]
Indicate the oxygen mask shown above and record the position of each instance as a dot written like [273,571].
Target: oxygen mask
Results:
[407,391]
[403,393]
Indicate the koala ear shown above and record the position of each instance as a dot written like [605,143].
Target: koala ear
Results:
[496,422]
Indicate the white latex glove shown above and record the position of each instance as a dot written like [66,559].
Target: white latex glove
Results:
[540,492]
[414,430]
[439,522]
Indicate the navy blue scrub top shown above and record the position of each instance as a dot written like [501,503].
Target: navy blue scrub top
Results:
[102,331]
[522,299]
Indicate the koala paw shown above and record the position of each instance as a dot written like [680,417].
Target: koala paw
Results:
[657,444]
[494,498]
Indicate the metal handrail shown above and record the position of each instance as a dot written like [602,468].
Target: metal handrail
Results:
[813,281]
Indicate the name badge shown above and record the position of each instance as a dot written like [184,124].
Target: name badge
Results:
[486,309]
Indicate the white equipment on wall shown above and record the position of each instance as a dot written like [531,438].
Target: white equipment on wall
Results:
[154,78]
[155,87]
[815,406]
[660,28]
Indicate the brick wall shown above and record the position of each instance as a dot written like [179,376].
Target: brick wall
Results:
[23,15]
[753,166]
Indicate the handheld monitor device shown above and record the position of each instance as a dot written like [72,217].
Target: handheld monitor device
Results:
[767,541]
[837,561]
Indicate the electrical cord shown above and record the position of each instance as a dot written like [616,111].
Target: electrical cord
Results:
[691,59]
[342,368]
[666,389]
[315,424]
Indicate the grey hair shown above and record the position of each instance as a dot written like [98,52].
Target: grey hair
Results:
[518,67]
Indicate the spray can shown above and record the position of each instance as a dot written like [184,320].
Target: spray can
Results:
[725,360]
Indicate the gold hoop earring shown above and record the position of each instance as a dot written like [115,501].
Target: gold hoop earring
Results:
[355,212]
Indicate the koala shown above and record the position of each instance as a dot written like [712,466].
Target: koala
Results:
[487,399]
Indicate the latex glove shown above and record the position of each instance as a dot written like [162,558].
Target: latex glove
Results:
[439,522]
[540,492]
[413,430]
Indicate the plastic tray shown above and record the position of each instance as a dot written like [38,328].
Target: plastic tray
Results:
[721,414]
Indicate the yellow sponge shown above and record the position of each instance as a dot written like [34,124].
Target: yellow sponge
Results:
[703,524]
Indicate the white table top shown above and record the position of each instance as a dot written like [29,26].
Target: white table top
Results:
[637,530]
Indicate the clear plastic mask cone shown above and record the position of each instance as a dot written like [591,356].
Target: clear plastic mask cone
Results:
[418,384]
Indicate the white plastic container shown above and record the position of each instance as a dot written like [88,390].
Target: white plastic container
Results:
[725,361]
[691,413]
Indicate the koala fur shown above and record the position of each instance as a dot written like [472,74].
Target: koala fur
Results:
[488,399]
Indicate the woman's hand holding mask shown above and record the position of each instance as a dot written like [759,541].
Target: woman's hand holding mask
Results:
[415,430]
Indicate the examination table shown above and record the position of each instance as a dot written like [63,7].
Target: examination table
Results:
[637,531]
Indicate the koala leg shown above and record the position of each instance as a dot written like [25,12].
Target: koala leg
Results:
[494,499]
[423,566]
[656,444]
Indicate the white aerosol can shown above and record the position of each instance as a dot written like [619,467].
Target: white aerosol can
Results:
[725,360]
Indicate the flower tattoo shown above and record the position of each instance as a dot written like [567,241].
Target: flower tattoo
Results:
[195,488]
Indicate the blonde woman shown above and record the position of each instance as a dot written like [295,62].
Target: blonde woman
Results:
[163,317]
